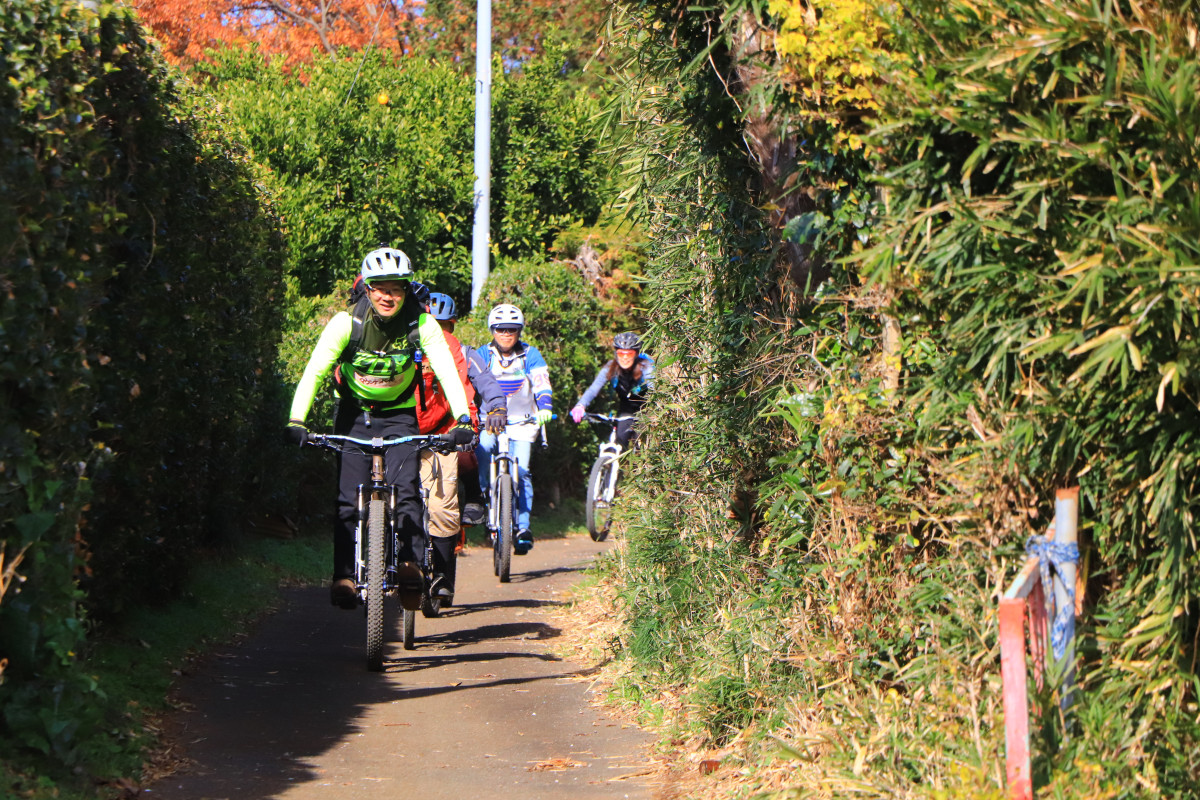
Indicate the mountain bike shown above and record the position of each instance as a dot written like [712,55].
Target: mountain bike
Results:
[502,512]
[602,483]
[377,571]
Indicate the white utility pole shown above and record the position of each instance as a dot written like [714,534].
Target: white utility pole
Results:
[480,238]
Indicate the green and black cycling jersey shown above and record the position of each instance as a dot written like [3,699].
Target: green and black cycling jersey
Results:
[380,372]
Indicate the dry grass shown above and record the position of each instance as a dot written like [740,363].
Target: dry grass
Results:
[680,766]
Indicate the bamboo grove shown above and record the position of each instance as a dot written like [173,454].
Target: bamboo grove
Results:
[948,264]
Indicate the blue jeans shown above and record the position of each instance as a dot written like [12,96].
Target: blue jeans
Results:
[524,485]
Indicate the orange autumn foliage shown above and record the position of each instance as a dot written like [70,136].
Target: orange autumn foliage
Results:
[291,28]
[298,29]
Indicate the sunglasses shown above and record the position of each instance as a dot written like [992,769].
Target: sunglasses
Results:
[622,352]
[392,292]
[507,330]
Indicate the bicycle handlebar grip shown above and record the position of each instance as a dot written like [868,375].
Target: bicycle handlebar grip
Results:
[461,435]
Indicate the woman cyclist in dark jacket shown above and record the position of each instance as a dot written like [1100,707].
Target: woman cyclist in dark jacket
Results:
[629,376]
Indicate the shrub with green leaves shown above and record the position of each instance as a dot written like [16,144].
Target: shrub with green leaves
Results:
[364,150]
[571,321]
[832,581]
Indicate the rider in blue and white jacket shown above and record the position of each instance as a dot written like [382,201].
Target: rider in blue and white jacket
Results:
[525,378]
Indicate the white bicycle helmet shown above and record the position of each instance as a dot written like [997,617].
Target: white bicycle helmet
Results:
[506,314]
[386,264]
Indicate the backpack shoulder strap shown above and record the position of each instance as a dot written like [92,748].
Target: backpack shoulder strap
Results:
[358,321]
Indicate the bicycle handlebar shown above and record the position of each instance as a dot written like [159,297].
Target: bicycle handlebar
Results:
[379,444]
[528,420]
[608,418]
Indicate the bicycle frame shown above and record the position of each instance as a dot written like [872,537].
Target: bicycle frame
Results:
[610,450]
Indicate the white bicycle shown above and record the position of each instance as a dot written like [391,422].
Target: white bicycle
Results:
[602,483]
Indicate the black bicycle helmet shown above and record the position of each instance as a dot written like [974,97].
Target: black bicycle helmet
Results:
[627,341]
[442,307]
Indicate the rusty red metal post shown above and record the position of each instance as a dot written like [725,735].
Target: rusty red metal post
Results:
[1025,588]
[1028,598]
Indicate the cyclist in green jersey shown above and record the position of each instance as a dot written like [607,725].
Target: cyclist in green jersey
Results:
[369,352]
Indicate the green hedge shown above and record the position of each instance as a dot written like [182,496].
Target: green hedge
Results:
[365,150]
[138,323]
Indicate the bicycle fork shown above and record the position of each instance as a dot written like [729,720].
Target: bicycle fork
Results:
[495,470]
[360,561]
[614,457]
[364,495]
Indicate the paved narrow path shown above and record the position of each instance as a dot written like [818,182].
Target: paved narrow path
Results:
[481,709]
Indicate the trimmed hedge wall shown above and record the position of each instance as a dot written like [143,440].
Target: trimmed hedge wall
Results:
[138,326]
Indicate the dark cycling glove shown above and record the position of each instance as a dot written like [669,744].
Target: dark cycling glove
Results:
[464,432]
[295,433]
[420,292]
[496,421]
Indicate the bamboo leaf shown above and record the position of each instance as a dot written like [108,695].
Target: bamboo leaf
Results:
[1117,332]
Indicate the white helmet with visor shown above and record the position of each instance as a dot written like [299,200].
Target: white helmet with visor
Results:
[505,315]
[386,264]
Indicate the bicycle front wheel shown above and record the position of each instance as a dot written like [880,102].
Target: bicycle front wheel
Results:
[502,553]
[598,510]
[376,521]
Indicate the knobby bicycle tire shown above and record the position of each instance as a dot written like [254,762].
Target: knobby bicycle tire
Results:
[410,629]
[504,533]
[599,518]
[431,604]
[375,571]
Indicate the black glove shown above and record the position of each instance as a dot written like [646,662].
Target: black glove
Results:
[496,421]
[420,292]
[464,432]
[295,433]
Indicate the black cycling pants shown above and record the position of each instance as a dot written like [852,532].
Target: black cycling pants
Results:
[626,430]
[402,468]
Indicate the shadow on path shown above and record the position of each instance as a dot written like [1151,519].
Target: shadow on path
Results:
[293,713]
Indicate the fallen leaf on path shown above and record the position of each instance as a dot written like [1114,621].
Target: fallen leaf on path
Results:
[555,765]
[629,775]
